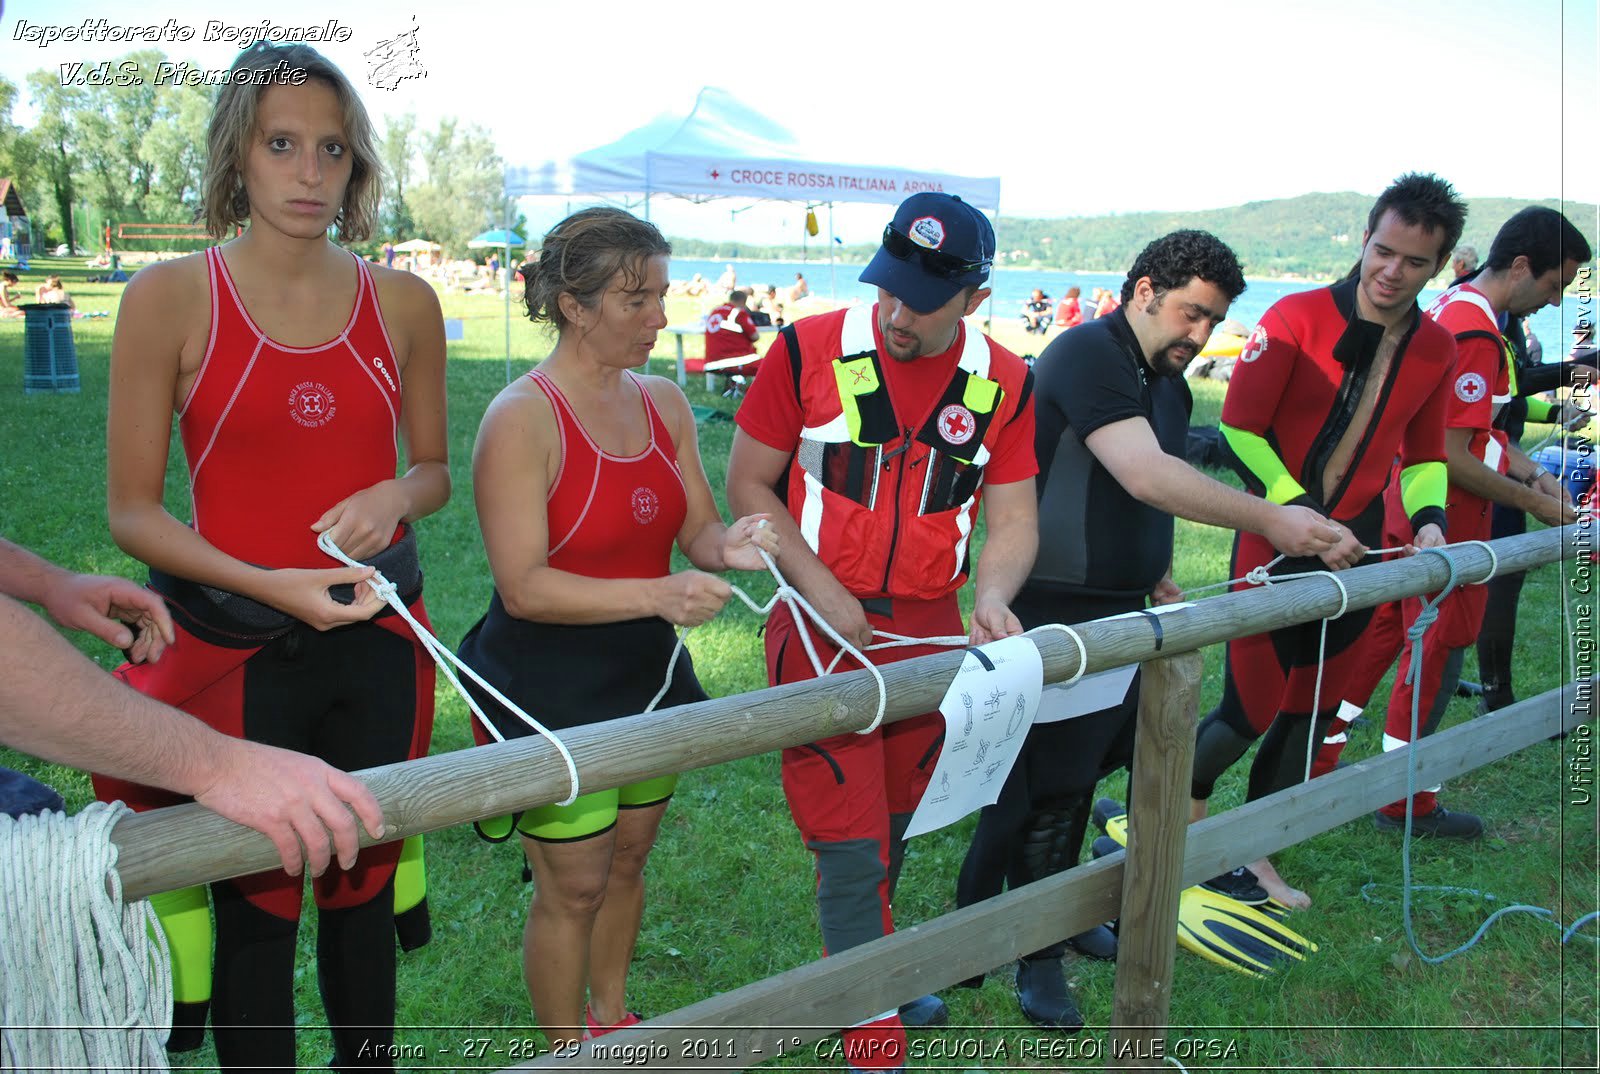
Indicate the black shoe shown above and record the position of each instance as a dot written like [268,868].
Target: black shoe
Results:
[188,1026]
[924,1011]
[1099,942]
[1042,992]
[1440,823]
[1495,697]
[414,927]
[1241,885]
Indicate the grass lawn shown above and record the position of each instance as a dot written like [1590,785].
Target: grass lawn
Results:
[731,885]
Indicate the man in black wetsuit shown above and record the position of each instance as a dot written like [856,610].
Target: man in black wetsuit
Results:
[1113,418]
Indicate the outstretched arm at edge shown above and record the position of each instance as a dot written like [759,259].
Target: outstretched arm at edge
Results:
[55,704]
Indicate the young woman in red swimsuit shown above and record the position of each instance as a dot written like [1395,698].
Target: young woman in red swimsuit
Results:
[293,367]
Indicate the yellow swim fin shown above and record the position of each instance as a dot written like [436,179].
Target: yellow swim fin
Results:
[1248,939]
[1231,934]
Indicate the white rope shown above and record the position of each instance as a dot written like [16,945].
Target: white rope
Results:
[85,979]
[801,609]
[1083,653]
[1260,576]
[1494,560]
[441,653]
[797,604]
[1322,657]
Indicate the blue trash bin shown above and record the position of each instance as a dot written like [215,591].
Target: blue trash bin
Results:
[49,357]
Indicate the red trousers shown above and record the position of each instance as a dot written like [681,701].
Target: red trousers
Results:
[850,796]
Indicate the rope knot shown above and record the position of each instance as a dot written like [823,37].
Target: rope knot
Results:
[1258,576]
[384,588]
[1425,619]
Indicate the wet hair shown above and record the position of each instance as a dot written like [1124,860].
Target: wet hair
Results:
[1545,237]
[583,254]
[224,202]
[1423,200]
[1176,258]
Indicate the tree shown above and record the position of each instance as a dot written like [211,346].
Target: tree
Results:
[112,125]
[56,139]
[175,147]
[19,156]
[464,190]
[12,153]
[394,218]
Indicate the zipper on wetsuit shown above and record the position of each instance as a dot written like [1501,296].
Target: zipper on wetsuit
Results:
[894,534]
[1367,434]
[1340,415]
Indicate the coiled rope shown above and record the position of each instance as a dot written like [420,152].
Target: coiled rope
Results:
[86,979]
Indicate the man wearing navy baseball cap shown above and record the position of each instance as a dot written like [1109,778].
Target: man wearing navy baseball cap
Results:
[872,436]
[936,247]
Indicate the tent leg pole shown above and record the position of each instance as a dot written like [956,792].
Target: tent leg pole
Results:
[833,282]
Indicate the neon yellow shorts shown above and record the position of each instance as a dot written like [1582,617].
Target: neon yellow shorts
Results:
[589,816]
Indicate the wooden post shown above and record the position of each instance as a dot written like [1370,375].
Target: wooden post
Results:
[1158,823]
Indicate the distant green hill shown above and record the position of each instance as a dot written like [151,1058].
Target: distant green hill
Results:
[1313,235]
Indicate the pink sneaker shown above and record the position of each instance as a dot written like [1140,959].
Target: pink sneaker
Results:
[593,1029]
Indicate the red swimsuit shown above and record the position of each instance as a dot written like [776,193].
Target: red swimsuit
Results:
[274,436]
[296,428]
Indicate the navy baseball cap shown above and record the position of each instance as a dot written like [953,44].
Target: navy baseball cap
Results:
[936,245]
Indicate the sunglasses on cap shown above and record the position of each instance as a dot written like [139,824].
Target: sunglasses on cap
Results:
[934,262]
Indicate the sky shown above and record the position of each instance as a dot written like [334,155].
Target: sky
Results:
[1079,108]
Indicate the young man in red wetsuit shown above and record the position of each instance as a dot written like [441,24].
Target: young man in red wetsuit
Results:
[1535,256]
[871,435]
[1331,386]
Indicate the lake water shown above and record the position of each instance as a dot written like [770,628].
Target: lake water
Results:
[1012,285]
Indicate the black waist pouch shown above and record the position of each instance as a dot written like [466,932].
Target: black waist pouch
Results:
[232,620]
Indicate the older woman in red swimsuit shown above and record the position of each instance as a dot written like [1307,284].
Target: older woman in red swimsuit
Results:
[586,474]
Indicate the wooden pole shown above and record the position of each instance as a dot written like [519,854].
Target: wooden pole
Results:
[1158,822]
[167,849]
[779,1015]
